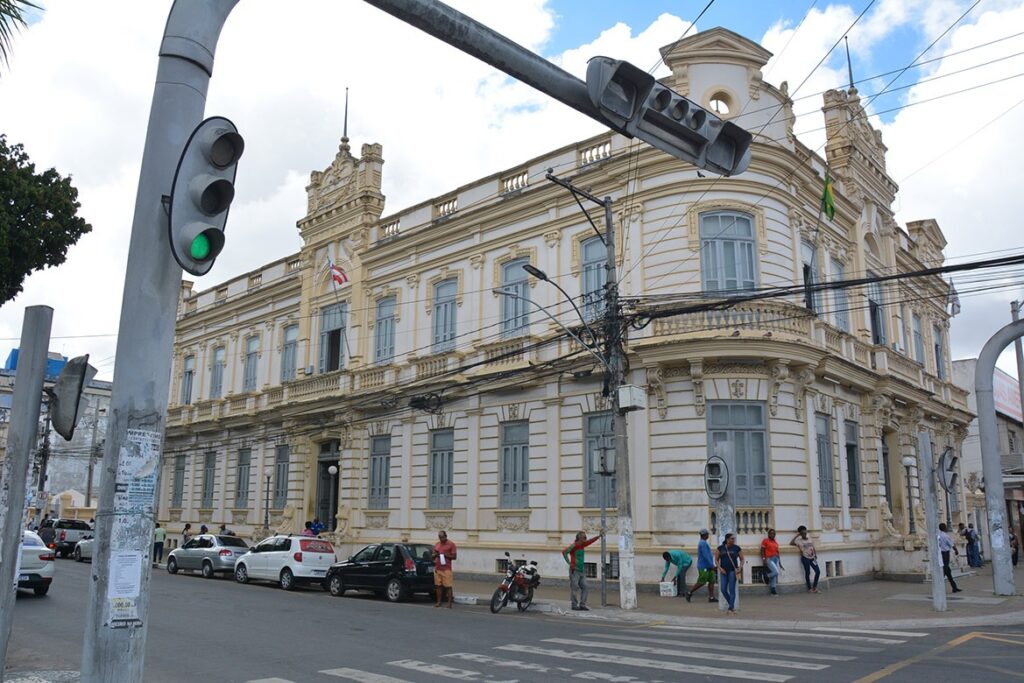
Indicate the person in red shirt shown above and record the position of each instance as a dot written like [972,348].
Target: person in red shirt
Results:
[444,554]
[772,561]
[573,556]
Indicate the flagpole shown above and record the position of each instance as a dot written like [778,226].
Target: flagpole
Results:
[337,300]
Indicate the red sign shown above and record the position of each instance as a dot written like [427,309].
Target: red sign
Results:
[1007,395]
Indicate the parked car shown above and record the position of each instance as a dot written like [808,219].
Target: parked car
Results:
[395,570]
[37,564]
[83,549]
[287,560]
[209,553]
[67,533]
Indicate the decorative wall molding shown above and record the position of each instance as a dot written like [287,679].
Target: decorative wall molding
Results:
[512,520]
[438,520]
[376,519]
[779,371]
[592,523]
[656,388]
[697,377]
[802,381]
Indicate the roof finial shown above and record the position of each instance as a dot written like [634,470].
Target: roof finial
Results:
[343,147]
[849,65]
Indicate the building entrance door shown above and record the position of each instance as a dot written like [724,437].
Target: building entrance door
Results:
[327,486]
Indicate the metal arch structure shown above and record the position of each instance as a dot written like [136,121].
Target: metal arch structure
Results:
[999,542]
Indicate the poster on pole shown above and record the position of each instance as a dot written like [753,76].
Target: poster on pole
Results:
[124,588]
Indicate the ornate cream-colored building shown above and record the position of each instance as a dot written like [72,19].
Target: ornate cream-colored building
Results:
[281,376]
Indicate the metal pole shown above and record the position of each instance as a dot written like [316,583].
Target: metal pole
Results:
[117,617]
[266,506]
[1002,571]
[604,525]
[910,503]
[93,452]
[725,513]
[44,461]
[616,362]
[1019,350]
[926,476]
[21,440]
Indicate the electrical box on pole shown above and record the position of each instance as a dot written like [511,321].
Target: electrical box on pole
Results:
[202,192]
[635,104]
[66,395]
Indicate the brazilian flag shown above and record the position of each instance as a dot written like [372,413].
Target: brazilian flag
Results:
[828,198]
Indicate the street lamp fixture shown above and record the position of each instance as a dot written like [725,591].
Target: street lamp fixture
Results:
[909,461]
[333,471]
[541,275]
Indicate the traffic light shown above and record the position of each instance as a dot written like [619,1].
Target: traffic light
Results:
[66,395]
[636,105]
[203,188]
[716,477]
[947,470]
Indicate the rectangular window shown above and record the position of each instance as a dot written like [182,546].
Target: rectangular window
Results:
[515,312]
[853,478]
[739,427]
[178,489]
[728,262]
[384,334]
[217,373]
[595,276]
[598,439]
[1011,440]
[380,473]
[940,353]
[289,352]
[915,325]
[186,380]
[810,276]
[209,479]
[840,300]
[242,478]
[252,352]
[826,476]
[281,458]
[332,337]
[442,468]
[515,465]
[876,312]
[444,315]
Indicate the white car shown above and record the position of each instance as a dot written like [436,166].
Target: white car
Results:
[36,563]
[83,549]
[287,560]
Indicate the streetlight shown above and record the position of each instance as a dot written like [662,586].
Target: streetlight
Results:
[333,471]
[541,275]
[266,507]
[908,462]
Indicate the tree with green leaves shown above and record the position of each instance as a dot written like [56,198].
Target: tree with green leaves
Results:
[12,17]
[38,218]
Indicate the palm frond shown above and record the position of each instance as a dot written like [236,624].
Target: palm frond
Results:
[12,18]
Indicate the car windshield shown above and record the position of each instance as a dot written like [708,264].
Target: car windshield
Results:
[232,541]
[421,551]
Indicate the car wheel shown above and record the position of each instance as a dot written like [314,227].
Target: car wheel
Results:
[287,581]
[394,591]
[336,586]
[241,574]
[78,554]
[208,570]
[41,590]
[172,565]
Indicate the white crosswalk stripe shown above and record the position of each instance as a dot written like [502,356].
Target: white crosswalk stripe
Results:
[799,634]
[729,647]
[898,634]
[362,676]
[445,671]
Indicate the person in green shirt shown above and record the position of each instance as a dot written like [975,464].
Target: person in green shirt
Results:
[573,556]
[159,536]
[682,561]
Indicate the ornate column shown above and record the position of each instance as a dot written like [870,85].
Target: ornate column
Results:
[553,455]
[473,470]
[405,481]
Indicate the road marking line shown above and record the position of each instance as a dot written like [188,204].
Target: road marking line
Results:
[732,648]
[801,634]
[744,637]
[445,671]
[641,662]
[629,647]
[986,636]
[495,661]
[904,634]
[362,676]
[896,666]
[270,680]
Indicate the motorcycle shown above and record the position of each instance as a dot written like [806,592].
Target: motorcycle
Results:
[517,586]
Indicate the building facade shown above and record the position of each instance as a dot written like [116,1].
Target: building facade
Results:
[416,396]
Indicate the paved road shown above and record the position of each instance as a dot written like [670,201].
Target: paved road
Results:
[217,630]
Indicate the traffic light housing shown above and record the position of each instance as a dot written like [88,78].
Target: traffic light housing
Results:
[66,395]
[202,192]
[716,477]
[948,474]
[635,104]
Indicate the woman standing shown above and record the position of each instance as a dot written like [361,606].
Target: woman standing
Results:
[729,560]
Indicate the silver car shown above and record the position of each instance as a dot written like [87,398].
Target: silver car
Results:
[83,549]
[209,553]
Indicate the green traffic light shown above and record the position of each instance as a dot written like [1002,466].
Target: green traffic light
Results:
[200,250]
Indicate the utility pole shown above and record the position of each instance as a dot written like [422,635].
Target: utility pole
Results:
[21,440]
[931,513]
[117,618]
[266,507]
[1019,349]
[44,453]
[94,454]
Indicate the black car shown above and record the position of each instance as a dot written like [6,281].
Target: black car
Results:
[396,570]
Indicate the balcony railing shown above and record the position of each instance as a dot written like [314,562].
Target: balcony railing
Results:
[753,521]
[755,316]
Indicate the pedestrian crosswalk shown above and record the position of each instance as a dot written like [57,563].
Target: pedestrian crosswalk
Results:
[652,654]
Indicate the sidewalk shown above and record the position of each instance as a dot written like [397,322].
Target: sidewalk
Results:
[869,605]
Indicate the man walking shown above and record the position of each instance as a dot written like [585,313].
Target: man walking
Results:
[973,547]
[706,572]
[772,561]
[574,557]
[729,561]
[808,557]
[682,561]
[444,554]
[945,545]
[159,536]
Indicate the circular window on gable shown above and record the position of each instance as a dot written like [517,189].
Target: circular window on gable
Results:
[721,103]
